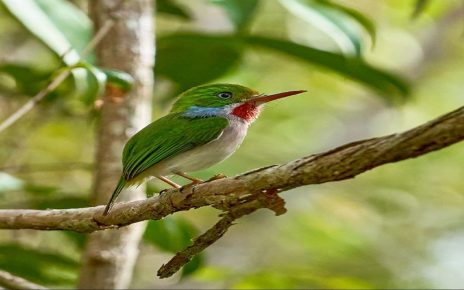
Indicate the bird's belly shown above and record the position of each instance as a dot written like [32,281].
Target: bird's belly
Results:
[205,155]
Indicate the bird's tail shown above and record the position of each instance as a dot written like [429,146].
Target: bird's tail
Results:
[117,190]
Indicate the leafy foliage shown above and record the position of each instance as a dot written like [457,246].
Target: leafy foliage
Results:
[339,22]
[172,234]
[419,7]
[240,12]
[193,59]
[38,265]
[28,80]
[171,8]
[323,255]
[206,57]
[386,83]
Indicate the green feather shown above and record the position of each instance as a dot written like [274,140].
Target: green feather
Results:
[162,139]
[118,189]
[206,96]
[167,137]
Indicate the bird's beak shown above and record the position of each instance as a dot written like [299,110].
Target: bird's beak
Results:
[262,99]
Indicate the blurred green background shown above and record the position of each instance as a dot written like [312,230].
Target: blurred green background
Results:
[370,67]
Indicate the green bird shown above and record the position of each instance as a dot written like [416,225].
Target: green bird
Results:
[205,126]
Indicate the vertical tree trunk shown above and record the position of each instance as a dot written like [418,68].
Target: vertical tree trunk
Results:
[110,255]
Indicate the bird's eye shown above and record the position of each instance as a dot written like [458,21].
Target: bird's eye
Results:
[225,95]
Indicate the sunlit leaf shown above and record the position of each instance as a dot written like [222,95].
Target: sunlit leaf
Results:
[37,265]
[340,23]
[42,190]
[240,12]
[193,59]
[172,8]
[58,24]
[361,19]
[96,82]
[32,16]
[73,23]
[389,85]
[10,183]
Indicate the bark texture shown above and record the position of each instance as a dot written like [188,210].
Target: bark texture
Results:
[110,255]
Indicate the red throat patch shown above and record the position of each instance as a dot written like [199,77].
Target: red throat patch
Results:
[246,111]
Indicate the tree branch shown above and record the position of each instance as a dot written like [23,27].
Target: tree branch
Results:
[248,192]
[338,164]
[9,281]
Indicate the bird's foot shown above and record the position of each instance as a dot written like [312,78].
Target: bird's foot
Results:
[217,176]
[164,191]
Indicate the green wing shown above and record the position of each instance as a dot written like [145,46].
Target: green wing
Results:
[167,137]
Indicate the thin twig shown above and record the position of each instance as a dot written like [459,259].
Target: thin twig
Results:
[10,281]
[268,199]
[34,100]
[58,79]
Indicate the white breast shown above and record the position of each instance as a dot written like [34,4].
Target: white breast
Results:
[206,155]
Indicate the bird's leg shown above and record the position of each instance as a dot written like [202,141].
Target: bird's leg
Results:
[171,183]
[185,175]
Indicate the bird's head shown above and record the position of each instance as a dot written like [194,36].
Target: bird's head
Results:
[225,99]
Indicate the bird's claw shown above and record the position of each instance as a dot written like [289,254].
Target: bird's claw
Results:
[164,191]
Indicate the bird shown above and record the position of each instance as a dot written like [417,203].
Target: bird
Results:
[205,126]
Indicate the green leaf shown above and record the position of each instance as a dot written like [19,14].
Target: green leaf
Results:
[59,202]
[389,85]
[96,82]
[420,7]
[173,234]
[28,80]
[193,59]
[361,19]
[120,79]
[170,234]
[98,79]
[191,267]
[78,239]
[38,265]
[339,22]
[240,12]
[61,26]
[170,7]
[73,23]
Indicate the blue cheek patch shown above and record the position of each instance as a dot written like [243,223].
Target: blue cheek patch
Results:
[199,112]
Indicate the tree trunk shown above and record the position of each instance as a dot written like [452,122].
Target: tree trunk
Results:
[110,255]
